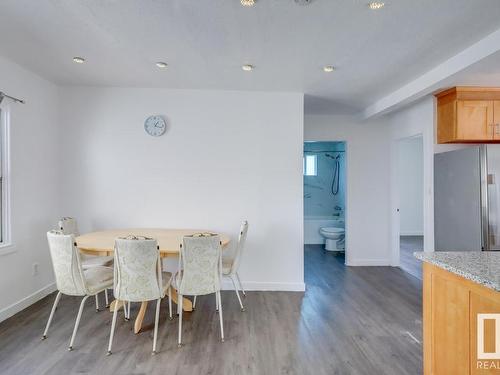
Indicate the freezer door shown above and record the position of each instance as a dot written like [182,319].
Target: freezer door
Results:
[493,204]
[457,200]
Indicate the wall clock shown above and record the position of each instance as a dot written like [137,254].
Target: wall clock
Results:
[155,126]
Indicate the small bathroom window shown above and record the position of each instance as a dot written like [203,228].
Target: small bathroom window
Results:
[310,165]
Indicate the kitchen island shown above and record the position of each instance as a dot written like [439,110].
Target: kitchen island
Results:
[457,288]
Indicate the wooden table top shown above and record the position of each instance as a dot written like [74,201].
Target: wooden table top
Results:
[169,240]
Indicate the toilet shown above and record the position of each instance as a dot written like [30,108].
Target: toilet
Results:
[334,238]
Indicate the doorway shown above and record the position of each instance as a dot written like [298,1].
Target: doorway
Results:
[325,198]
[410,180]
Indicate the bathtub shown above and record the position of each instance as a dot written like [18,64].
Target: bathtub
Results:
[312,224]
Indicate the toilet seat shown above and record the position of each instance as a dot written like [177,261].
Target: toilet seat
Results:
[333,230]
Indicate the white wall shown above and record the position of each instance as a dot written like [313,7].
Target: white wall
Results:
[226,156]
[368,175]
[35,188]
[411,186]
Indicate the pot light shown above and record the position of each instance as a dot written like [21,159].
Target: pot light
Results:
[78,60]
[161,64]
[328,68]
[248,3]
[247,67]
[375,5]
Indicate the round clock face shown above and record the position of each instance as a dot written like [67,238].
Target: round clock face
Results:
[155,126]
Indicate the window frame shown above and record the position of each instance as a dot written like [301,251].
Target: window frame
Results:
[315,163]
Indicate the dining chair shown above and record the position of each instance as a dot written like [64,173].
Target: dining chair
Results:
[71,278]
[199,272]
[68,225]
[138,277]
[231,264]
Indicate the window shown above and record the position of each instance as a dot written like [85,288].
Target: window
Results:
[310,165]
[4,179]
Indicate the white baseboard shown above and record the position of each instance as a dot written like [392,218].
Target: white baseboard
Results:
[411,233]
[266,286]
[20,305]
[369,262]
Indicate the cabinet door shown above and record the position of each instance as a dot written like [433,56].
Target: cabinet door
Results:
[475,120]
[450,326]
[496,119]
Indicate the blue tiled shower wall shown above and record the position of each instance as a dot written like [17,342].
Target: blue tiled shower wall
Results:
[318,197]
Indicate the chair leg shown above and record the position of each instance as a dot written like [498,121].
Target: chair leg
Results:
[157,318]
[77,323]
[126,310]
[106,297]
[237,294]
[97,302]
[179,304]
[112,333]
[54,307]
[194,302]
[220,316]
[170,303]
[241,285]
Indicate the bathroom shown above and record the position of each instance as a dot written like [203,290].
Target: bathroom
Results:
[324,195]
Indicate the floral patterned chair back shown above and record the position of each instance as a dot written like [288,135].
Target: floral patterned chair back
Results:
[66,262]
[68,225]
[201,264]
[137,269]
[242,237]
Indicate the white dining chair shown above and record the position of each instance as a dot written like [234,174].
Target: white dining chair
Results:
[138,277]
[71,278]
[231,264]
[199,272]
[68,225]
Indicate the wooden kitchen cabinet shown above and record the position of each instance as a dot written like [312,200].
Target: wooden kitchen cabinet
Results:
[468,115]
[451,305]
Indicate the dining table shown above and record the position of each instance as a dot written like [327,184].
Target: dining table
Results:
[102,243]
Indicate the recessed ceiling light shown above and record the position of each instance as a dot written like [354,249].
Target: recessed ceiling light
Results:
[248,3]
[328,68]
[161,64]
[247,67]
[78,60]
[374,5]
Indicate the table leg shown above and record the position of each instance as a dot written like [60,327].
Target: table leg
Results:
[140,317]
[186,303]
[115,304]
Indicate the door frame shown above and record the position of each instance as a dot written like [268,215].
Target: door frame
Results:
[346,193]
[428,194]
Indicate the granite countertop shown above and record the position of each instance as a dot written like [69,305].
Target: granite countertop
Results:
[482,267]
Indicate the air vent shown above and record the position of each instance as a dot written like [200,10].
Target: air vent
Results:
[303,2]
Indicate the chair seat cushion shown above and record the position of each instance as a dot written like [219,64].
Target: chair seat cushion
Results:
[89,261]
[98,278]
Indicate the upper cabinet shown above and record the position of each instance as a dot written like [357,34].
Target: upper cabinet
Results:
[468,115]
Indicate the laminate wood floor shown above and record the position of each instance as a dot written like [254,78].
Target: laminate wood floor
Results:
[351,320]
[408,245]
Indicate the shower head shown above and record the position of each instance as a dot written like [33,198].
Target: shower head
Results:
[332,157]
[2,95]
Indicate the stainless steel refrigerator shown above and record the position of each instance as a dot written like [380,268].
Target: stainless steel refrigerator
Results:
[467,199]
